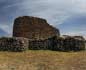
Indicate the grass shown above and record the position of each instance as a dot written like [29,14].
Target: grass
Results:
[43,60]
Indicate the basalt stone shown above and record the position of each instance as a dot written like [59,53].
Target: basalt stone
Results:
[81,42]
[38,45]
[74,44]
[46,44]
[13,44]
[60,44]
[33,28]
[67,43]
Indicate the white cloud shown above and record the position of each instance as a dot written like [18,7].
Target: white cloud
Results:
[6,28]
[55,11]
[75,33]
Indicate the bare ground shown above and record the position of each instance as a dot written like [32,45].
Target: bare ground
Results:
[43,60]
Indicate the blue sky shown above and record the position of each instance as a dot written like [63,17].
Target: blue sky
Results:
[67,15]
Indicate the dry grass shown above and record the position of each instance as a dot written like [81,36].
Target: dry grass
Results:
[43,60]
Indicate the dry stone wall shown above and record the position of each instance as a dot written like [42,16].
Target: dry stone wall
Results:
[54,43]
[36,34]
[33,28]
[58,44]
[46,44]
[38,45]
[13,44]
[42,36]
[70,44]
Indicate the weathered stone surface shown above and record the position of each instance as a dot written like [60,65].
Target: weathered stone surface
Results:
[33,28]
[54,43]
[68,43]
[71,43]
[42,36]
[13,44]
[38,45]
[58,44]
[46,44]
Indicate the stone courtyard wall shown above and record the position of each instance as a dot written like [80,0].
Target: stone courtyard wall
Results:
[46,44]
[54,43]
[58,44]
[69,44]
[13,44]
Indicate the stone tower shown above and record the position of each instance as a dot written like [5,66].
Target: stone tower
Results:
[33,28]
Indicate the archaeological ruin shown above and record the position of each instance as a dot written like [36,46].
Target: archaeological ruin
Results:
[13,44]
[33,28]
[33,33]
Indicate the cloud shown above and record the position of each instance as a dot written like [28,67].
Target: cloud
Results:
[75,33]
[6,28]
[55,11]
[76,25]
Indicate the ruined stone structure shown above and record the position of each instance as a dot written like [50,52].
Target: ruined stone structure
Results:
[69,43]
[13,44]
[42,36]
[36,34]
[46,44]
[54,43]
[73,43]
[33,28]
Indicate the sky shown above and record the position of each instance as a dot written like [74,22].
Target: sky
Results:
[67,15]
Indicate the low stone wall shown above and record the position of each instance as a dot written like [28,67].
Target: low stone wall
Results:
[13,44]
[54,43]
[74,44]
[69,44]
[58,44]
[41,44]
[37,45]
